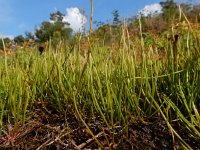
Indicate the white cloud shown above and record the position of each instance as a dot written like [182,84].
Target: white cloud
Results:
[76,19]
[11,37]
[150,10]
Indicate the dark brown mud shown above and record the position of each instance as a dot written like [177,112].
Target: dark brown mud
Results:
[53,131]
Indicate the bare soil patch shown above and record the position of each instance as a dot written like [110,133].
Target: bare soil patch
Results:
[55,131]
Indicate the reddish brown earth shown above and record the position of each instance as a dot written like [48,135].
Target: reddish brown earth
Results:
[54,131]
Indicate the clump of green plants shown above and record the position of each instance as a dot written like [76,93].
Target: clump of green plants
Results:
[144,76]
[113,87]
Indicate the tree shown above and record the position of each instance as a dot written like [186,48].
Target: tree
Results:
[29,36]
[19,39]
[57,17]
[116,19]
[196,13]
[170,10]
[56,29]
[7,41]
[102,33]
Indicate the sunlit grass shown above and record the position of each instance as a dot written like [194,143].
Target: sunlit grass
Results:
[111,85]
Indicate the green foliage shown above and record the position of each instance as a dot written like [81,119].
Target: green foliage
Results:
[7,42]
[109,33]
[195,13]
[57,17]
[138,80]
[116,18]
[170,10]
[55,29]
[103,34]
[19,39]
[113,86]
[171,14]
[29,36]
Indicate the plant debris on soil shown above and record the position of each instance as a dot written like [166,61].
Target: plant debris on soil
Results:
[56,131]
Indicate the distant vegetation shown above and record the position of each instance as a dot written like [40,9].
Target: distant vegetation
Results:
[154,24]
[140,67]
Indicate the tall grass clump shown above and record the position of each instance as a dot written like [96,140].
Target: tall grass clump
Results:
[116,86]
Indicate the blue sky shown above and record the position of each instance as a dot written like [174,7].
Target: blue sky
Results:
[18,16]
